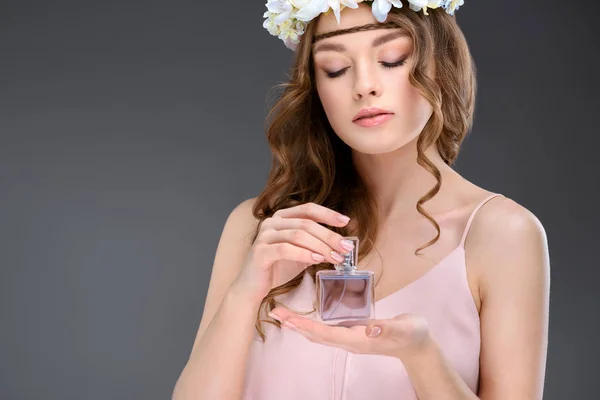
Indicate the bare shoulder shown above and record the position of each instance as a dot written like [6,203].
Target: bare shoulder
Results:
[238,233]
[243,210]
[504,216]
[235,241]
[508,241]
[242,213]
[502,223]
[508,247]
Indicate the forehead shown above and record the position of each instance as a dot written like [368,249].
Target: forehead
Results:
[352,18]
[349,17]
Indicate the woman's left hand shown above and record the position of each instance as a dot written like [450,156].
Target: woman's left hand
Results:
[402,336]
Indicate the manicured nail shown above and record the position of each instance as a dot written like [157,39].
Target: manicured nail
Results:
[346,244]
[317,257]
[375,331]
[343,218]
[290,325]
[336,256]
[274,316]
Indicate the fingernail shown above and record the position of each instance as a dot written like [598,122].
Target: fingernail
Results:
[336,256]
[317,257]
[346,244]
[343,218]
[274,316]
[375,331]
[290,325]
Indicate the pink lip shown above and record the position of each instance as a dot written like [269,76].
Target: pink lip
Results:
[373,121]
[368,112]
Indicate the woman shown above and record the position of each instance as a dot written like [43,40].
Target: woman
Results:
[462,274]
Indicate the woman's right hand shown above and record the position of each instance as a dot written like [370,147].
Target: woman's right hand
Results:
[287,243]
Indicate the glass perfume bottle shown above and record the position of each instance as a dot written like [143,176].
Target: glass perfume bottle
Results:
[345,296]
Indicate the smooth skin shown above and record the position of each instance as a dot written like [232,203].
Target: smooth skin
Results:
[243,273]
[506,249]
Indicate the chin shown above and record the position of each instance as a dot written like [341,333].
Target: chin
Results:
[372,143]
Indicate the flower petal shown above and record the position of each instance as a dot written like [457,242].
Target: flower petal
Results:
[350,3]
[278,6]
[281,18]
[311,10]
[335,7]
[417,3]
[380,9]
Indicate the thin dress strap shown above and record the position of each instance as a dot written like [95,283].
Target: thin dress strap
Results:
[464,236]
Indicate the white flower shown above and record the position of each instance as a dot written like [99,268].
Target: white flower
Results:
[310,9]
[290,32]
[288,19]
[287,30]
[453,5]
[298,4]
[300,27]
[269,23]
[338,5]
[282,8]
[417,5]
[381,8]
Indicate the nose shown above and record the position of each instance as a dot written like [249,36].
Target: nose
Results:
[366,83]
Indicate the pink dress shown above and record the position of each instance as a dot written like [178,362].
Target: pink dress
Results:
[287,366]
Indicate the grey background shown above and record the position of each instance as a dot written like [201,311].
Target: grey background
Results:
[130,129]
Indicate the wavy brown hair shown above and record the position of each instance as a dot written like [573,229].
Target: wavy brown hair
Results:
[311,163]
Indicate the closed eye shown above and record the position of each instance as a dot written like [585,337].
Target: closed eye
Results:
[341,72]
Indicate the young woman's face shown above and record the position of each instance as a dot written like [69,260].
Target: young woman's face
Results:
[362,75]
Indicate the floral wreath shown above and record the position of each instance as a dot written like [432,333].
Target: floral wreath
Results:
[288,19]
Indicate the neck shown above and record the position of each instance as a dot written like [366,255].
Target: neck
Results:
[398,181]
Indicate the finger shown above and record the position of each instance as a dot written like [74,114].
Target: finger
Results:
[402,327]
[281,313]
[304,239]
[315,212]
[327,334]
[290,252]
[334,240]
[374,330]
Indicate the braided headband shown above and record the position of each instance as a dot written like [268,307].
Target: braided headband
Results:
[288,19]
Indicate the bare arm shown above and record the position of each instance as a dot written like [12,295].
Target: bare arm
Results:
[515,290]
[243,274]
[511,246]
[216,366]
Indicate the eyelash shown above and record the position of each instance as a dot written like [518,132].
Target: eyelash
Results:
[337,74]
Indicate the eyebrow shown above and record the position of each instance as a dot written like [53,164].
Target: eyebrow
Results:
[377,42]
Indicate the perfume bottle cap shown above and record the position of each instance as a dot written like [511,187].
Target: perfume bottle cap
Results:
[350,258]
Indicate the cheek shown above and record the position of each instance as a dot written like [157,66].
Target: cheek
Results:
[327,94]
[332,98]
[414,106]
